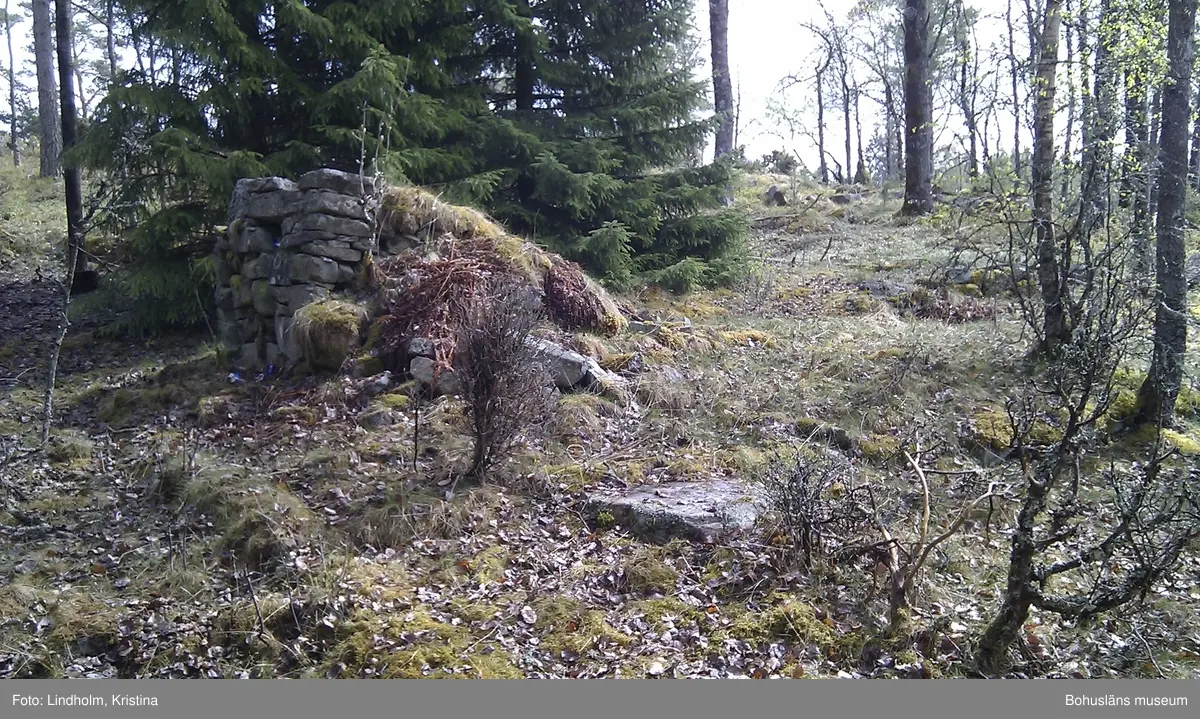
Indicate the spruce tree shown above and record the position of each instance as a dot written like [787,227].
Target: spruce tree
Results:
[254,88]
[572,121]
[600,102]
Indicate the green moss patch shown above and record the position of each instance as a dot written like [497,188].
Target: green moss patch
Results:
[413,645]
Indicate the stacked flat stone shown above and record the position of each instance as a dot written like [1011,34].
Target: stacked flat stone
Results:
[288,244]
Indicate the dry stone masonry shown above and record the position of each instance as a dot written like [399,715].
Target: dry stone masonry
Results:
[288,244]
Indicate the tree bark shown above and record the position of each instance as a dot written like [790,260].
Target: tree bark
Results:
[1071,108]
[74,198]
[110,43]
[718,23]
[823,168]
[1135,169]
[1014,73]
[918,101]
[70,132]
[1050,274]
[966,94]
[1153,149]
[889,159]
[844,71]
[1099,129]
[525,85]
[991,656]
[1194,163]
[43,55]
[1158,393]
[12,91]
[861,177]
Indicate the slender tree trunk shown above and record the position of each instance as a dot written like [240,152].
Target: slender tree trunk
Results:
[889,159]
[1050,274]
[1014,74]
[898,128]
[918,101]
[718,23]
[12,90]
[1099,130]
[1135,174]
[1070,59]
[860,174]
[525,84]
[70,128]
[966,99]
[43,54]
[110,42]
[991,656]
[1158,393]
[1155,144]
[80,97]
[74,196]
[737,113]
[1194,163]
[823,168]
[846,115]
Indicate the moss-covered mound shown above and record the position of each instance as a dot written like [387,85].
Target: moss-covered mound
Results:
[328,332]
[451,256]
[456,244]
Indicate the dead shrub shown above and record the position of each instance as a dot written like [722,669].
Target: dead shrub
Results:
[505,384]
[813,505]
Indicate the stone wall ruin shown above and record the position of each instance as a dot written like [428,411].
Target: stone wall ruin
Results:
[291,243]
[288,244]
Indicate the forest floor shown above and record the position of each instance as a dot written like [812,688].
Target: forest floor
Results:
[181,524]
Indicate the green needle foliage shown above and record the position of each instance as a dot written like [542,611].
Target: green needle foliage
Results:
[571,121]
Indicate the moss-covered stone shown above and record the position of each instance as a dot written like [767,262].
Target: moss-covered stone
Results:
[328,332]
[879,448]
[395,400]
[992,428]
[618,362]
[1186,443]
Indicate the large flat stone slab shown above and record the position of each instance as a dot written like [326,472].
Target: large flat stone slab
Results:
[701,511]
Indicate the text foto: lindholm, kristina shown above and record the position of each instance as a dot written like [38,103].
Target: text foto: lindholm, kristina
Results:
[73,700]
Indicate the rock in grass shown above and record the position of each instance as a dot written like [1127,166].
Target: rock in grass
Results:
[328,332]
[703,511]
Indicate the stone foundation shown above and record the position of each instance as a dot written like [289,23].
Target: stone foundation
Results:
[288,244]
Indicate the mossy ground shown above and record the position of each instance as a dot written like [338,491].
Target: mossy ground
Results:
[256,529]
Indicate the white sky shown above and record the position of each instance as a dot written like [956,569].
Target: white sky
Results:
[767,42]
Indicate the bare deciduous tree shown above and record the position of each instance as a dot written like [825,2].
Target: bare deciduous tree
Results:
[14,145]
